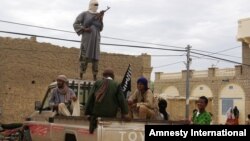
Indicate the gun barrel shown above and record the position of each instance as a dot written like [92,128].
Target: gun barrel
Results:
[102,13]
[107,9]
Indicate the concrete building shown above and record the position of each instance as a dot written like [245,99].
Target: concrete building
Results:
[224,87]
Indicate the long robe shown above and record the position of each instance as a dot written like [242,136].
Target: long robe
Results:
[90,43]
[111,101]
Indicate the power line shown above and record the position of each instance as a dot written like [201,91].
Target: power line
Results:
[228,55]
[216,59]
[107,37]
[167,55]
[198,57]
[47,37]
[219,58]
[212,59]
[129,46]
[46,51]
[211,53]
[70,52]
[41,27]
[133,46]
[38,50]
[77,53]
[106,44]
[169,64]
[163,45]
[219,52]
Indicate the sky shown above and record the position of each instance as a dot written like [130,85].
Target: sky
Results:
[204,25]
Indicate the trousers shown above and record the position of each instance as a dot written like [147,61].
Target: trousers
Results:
[84,63]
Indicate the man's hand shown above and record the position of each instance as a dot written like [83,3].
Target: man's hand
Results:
[102,12]
[74,98]
[100,15]
[126,118]
[88,117]
[55,108]
[130,102]
[87,30]
[134,105]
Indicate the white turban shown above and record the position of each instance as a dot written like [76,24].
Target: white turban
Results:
[62,78]
[93,6]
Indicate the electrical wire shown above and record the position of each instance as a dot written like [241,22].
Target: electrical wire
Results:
[46,51]
[219,52]
[120,39]
[169,64]
[106,44]
[107,37]
[166,55]
[219,58]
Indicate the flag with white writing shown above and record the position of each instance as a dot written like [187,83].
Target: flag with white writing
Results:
[126,82]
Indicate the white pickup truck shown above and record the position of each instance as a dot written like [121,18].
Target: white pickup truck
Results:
[43,126]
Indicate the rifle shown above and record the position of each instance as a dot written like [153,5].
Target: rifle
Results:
[97,17]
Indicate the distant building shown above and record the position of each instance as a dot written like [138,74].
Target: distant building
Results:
[224,87]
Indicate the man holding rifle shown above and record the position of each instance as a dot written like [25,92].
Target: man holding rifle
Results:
[89,24]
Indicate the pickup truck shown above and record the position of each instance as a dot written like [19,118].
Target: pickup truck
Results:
[43,125]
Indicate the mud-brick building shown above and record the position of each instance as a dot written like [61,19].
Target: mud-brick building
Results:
[224,87]
[27,67]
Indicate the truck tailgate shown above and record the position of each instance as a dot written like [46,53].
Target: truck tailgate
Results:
[120,131]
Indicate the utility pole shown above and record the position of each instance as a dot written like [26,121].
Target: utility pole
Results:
[187,81]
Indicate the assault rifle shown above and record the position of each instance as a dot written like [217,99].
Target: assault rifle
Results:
[97,17]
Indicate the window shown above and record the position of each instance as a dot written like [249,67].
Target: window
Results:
[226,104]
[83,93]
[46,105]
[74,87]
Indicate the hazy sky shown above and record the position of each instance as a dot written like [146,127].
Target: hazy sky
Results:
[205,25]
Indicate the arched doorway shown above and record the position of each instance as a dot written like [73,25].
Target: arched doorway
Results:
[169,92]
[231,95]
[201,90]
[198,91]
[176,105]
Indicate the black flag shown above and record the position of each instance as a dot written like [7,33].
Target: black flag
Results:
[126,82]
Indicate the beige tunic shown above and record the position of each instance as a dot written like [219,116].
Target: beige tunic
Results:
[146,99]
[90,44]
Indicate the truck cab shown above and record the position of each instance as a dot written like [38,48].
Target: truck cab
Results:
[45,125]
